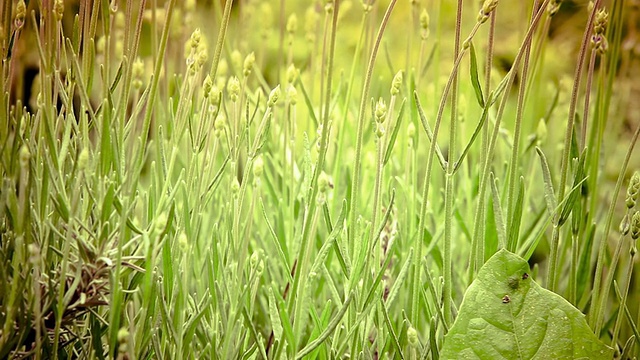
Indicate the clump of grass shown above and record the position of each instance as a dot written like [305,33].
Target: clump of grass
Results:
[294,190]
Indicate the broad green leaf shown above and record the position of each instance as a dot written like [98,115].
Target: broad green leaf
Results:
[507,315]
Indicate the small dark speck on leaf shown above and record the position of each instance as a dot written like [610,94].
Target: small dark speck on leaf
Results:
[514,282]
[506,299]
[525,276]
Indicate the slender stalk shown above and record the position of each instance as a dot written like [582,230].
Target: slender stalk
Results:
[477,243]
[355,183]
[512,243]
[625,294]
[552,274]
[601,296]
[449,183]
[486,168]
[310,212]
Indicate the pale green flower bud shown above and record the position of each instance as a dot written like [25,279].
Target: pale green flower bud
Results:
[292,23]
[235,186]
[206,86]
[83,159]
[424,24]
[396,83]
[274,96]
[324,182]
[258,167]
[411,130]
[633,190]
[183,241]
[487,8]
[380,110]
[601,21]
[541,131]
[292,94]
[249,61]
[412,337]
[292,74]
[101,45]
[635,226]
[58,10]
[196,36]
[123,340]
[233,88]
[24,156]
[160,223]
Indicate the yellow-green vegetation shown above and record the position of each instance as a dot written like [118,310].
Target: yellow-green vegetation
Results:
[322,179]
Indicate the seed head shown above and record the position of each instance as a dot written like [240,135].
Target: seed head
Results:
[292,95]
[258,167]
[292,24]
[160,223]
[137,71]
[635,226]
[396,83]
[274,96]
[206,86]
[24,156]
[233,88]
[21,12]
[600,22]
[83,159]
[324,182]
[424,24]
[381,110]
[183,241]
[553,7]
[123,339]
[101,44]
[292,74]
[412,336]
[624,225]
[249,61]
[487,8]
[633,190]
[58,10]
[235,186]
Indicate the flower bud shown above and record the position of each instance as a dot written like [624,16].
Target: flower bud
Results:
[412,337]
[396,83]
[21,12]
[292,23]
[24,156]
[380,110]
[58,10]
[274,96]
[424,24]
[235,186]
[233,88]
[633,190]
[258,167]
[249,61]
[292,74]
[292,95]
[635,226]
[206,86]
[83,159]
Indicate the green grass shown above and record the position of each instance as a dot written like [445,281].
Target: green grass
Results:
[283,179]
